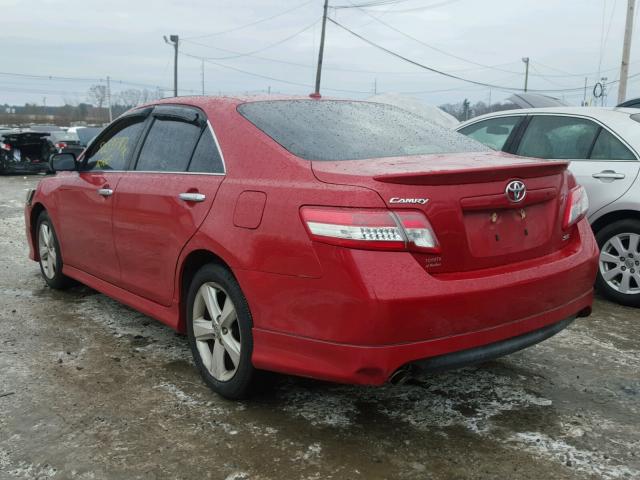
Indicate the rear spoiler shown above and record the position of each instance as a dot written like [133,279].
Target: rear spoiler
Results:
[475,175]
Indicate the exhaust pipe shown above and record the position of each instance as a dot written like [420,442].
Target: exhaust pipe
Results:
[401,376]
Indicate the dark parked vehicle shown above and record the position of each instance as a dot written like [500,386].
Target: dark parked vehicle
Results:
[65,142]
[24,151]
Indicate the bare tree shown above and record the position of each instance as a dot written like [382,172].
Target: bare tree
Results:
[97,95]
[131,97]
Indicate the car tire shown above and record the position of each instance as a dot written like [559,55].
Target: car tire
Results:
[220,334]
[49,255]
[619,263]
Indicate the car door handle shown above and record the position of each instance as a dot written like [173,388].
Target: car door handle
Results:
[609,174]
[105,192]
[192,197]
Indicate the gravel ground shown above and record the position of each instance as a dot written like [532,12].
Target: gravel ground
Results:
[90,389]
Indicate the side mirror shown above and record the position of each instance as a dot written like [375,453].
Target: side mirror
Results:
[63,162]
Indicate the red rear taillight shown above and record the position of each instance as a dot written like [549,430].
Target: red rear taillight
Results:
[5,146]
[577,206]
[61,145]
[370,229]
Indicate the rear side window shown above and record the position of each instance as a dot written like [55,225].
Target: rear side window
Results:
[168,146]
[493,132]
[206,158]
[608,147]
[345,130]
[558,137]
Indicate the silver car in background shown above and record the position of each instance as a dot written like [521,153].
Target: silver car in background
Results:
[603,146]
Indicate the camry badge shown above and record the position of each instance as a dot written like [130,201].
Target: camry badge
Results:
[516,191]
[415,201]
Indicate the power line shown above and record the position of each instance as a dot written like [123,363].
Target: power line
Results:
[425,7]
[268,77]
[261,49]
[431,69]
[436,49]
[372,3]
[80,79]
[251,23]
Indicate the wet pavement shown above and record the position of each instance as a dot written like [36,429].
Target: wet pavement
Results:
[90,389]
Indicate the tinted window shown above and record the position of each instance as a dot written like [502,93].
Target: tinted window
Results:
[168,146]
[608,147]
[493,132]
[206,158]
[558,137]
[114,150]
[344,130]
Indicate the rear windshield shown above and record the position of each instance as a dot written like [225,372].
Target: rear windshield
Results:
[346,130]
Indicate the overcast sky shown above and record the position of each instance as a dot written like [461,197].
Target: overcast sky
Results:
[124,39]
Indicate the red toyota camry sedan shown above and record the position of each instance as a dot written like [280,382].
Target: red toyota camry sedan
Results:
[340,240]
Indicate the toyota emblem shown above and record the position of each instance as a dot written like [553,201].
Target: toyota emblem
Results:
[516,191]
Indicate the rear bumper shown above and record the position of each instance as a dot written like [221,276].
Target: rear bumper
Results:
[372,313]
[374,365]
[491,351]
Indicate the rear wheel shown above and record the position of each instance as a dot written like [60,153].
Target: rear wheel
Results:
[619,265]
[219,331]
[49,253]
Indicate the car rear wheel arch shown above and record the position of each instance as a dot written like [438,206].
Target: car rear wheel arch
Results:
[193,262]
[613,217]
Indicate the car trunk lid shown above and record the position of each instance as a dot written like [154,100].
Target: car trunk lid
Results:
[464,196]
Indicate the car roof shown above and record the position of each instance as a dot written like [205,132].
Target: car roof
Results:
[600,113]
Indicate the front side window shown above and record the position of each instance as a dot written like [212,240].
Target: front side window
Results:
[493,132]
[558,137]
[114,151]
[608,147]
[345,130]
[168,146]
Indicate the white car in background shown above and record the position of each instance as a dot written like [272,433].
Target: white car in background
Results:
[603,146]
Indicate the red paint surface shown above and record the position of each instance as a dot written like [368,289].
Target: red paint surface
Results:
[322,310]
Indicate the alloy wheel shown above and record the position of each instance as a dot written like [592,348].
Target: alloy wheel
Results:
[620,263]
[216,331]
[47,250]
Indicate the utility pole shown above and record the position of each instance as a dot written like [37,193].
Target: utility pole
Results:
[316,94]
[109,98]
[174,40]
[626,52]
[584,98]
[203,77]
[526,72]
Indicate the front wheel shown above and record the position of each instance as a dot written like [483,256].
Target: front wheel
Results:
[49,253]
[219,331]
[619,264]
